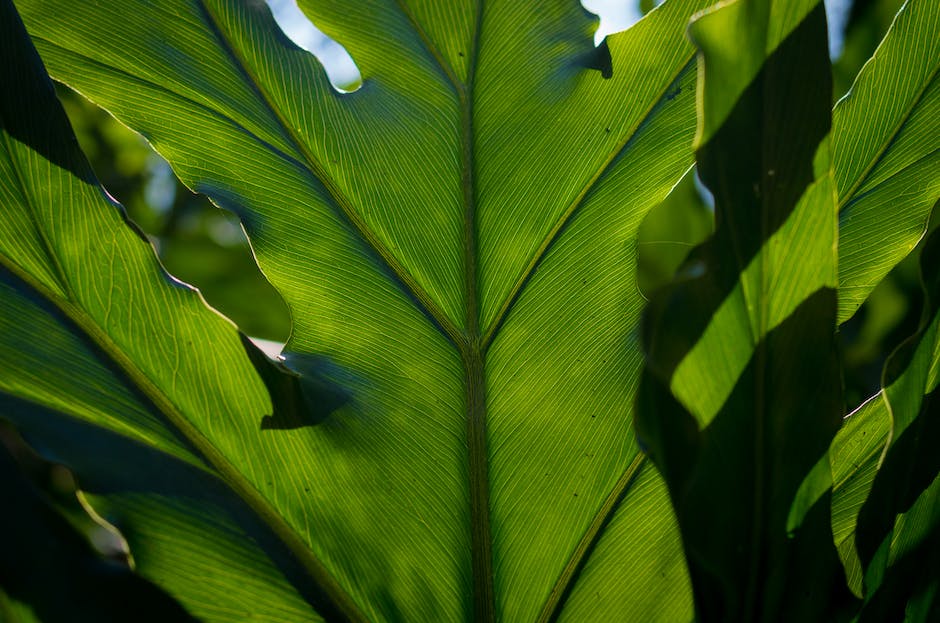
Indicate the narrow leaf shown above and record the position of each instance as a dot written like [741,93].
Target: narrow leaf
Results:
[742,391]
[889,506]
[886,153]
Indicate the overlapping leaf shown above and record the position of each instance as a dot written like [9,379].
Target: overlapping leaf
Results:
[456,241]
[742,392]
[886,510]
[43,554]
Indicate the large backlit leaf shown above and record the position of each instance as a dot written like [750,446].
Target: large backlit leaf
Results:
[742,391]
[456,242]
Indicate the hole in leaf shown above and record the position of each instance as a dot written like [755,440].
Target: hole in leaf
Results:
[837,15]
[705,195]
[615,15]
[196,242]
[599,59]
[339,66]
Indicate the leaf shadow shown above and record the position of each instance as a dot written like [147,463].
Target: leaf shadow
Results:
[301,391]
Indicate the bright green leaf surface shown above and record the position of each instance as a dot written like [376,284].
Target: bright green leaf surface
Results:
[886,157]
[456,242]
[742,391]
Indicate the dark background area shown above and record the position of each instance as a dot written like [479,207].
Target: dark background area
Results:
[49,541]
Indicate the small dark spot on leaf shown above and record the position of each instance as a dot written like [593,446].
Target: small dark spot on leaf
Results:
[607,130]
[671,95]
[460,54]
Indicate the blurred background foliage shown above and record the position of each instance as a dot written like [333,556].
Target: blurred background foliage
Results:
[206,247]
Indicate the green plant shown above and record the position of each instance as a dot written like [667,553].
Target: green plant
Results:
[450,433]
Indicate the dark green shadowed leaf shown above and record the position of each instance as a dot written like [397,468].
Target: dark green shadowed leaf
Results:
[44,556]
[886,507]
[742,392]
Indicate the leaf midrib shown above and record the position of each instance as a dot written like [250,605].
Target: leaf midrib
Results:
[469,344]
[478,344]
[239,484]
[466,342]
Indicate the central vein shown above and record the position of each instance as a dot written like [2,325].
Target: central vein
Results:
[471,350]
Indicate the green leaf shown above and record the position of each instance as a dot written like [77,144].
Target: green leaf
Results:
[886,502]
[742,391]
[886,159]
[854,457]
[456,242]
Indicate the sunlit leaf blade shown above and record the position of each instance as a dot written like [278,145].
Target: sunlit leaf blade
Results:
[886,153]
[886,516]
[117,371]
[742,391]
[456,242]
[854,457]
[635,539]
